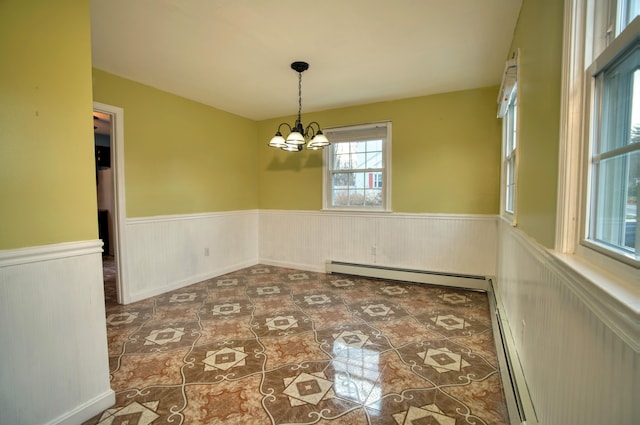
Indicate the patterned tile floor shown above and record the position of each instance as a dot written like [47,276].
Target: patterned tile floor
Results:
[267,345]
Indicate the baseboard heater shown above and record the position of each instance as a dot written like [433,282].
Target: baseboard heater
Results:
[516,392]
[517,397]
[471,282]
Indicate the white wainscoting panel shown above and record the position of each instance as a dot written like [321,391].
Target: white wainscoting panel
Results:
[464,244]
[579,369]
[169,252]
[55,366]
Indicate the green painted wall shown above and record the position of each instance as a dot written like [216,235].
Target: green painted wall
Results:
[47,174]
[181,156]
[445,155]
[185,157]
[538,35]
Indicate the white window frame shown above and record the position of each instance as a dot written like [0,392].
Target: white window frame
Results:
[588,28]
[510,158]
[386,169]
[619,47]
[508,111]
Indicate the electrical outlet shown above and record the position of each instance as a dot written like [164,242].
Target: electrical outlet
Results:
[206,252]
[373,250]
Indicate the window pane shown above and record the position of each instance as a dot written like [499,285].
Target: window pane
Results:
[343,180]
[632,234]
[616,211]
[374,145]
[373,197]
[375,179]
[359,180]
[341,148]
[510,185]
[632,10]
[510,203]
[374,160]
[357,147]
[358,161]
[513,117]
[340,198]
[356,198]
[342,162]
[620,102]
[635,109]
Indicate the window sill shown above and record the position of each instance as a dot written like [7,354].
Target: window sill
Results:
[509,218]
[357,210]
[614,297]
[610,258]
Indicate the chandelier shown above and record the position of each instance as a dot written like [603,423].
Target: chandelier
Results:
[299,136]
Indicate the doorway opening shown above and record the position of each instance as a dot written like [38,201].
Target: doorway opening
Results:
[102,131]
[108,142]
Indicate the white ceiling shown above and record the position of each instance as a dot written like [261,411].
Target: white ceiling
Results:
[235,54]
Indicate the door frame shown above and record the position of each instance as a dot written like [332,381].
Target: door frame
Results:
[120,216]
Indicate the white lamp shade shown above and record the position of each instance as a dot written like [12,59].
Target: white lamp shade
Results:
[320,140]
[295,138]
[277,141]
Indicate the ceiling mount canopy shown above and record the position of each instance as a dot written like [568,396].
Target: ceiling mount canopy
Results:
[299,135]
[300,66]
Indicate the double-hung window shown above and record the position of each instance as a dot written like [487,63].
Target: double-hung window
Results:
[510,144]
[357,167]
[508,111]
[613,175]
[615,154]
[600,151]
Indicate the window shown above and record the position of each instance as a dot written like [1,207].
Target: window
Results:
[615,156]
[510,140]
[357,173]
[508,111]
[613,170]
[600,136]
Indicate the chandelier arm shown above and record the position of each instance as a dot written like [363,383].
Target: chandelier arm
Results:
[284,123]
[310,130]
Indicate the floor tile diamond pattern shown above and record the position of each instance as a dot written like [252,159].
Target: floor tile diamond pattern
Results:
[269,345]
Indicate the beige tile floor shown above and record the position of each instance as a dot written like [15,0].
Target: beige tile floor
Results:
[267,345]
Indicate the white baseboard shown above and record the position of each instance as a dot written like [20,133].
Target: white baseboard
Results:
[139,296]
[292,265]
[86,410]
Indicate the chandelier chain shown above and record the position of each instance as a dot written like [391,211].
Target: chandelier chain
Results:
[299,94]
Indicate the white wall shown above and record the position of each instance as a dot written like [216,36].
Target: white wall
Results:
[463,244]
[55,367]
[577,346]
[169,252]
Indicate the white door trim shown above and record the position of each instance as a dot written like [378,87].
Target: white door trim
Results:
[117,163]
